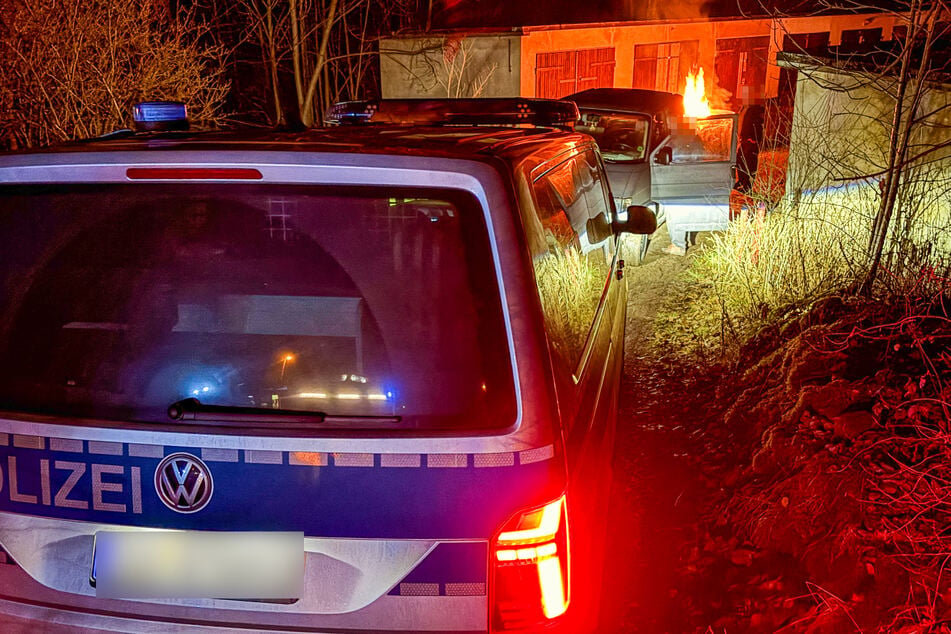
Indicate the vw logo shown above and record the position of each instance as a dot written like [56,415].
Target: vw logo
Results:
[183,483]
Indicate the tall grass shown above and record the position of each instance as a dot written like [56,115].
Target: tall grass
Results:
[768,264]
[569,284]
[794,254]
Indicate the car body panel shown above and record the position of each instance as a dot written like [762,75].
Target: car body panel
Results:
[631,183]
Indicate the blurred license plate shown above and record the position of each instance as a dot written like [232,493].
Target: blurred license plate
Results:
[198,564]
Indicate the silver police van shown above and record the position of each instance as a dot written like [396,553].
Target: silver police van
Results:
[355,379]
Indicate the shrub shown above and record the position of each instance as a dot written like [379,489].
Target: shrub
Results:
[73,68]
[768,264]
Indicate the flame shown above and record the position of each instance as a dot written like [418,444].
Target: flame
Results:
[695,98]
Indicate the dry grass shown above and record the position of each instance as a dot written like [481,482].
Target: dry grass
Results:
[770,264]
[793,255]
[567,282]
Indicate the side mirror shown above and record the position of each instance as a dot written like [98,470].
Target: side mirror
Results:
[664,156]
[640,220]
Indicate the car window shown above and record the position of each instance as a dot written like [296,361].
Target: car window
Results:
[122,299]
[702,140]
[621,137]
[575,251]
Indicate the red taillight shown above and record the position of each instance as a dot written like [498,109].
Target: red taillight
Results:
[530,568]
[193,173]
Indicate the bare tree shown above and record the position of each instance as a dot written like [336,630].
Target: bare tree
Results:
[458,70]
[451,67]
[268,26]
[325,48]
[879,113]
[905,162]
[73,68]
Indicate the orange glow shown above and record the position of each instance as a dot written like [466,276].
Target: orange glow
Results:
[310,458]
[549,519]
[285,359]
[695,97]
[553,587]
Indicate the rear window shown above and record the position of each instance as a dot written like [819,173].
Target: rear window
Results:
[380,306]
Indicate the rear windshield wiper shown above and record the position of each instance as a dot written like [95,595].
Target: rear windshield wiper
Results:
[193,409]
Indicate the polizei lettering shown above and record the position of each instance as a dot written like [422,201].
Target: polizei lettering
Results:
[71,485]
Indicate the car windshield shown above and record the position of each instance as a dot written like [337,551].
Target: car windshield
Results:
[621,137]
[122,299]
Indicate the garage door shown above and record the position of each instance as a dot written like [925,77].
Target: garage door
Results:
[560,73]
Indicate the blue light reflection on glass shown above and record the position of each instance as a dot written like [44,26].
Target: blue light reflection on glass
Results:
[204,389]
[389,391]
[204,383]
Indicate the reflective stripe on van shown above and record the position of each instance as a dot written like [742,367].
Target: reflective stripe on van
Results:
[353,495]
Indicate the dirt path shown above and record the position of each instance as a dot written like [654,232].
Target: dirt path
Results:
[657,490]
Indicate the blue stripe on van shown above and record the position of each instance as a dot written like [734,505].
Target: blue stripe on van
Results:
[454,564]
[454,499]
[453,569]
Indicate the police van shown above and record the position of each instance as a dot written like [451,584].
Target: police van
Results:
[361,378]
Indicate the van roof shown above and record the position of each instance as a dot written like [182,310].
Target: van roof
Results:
[460,142]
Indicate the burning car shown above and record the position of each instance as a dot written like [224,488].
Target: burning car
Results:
[673,154]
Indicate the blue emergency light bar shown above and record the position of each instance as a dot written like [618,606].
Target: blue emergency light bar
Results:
[160,116]
[492,111]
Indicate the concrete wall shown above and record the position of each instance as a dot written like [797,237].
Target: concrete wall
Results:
[470,66]
[841,128]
